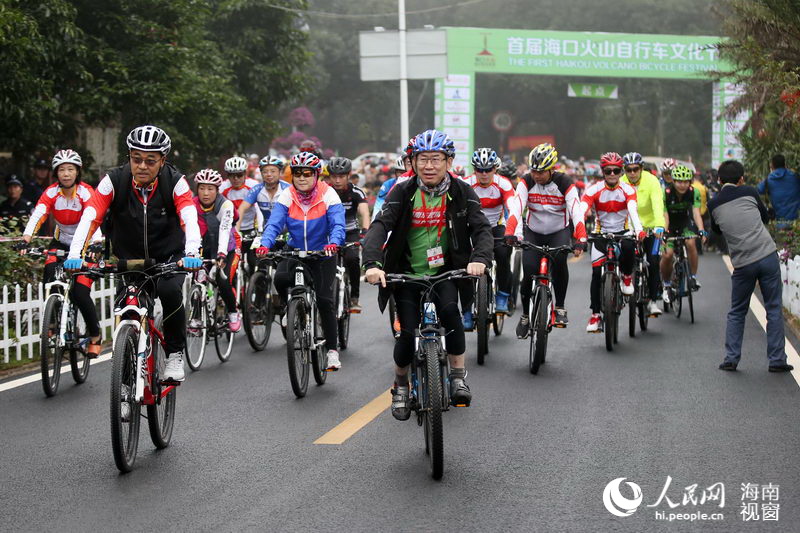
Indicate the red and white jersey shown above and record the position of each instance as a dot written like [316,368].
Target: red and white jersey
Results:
[237,196]
[615,208]
[66,211]
[494,197]
[551,206]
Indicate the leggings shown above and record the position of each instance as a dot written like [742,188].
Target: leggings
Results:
[653,269]
[407,300]
[558,267]
[352,263]
[226,283]
[626,259]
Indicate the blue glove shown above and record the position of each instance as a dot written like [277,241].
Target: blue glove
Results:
[703,233]
[73,264]
[192,263]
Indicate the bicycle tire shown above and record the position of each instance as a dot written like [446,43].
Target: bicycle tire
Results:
[223,336]
[609,309]
[644,293]
[79,362]
[258,311]
[124,435]
[689,297]
[196,338]
[677,290]
[297,346]
[433,401]
[344,320]
[633,306]
[516,280]
[319,354]
[50,354]
[482,317]
[161,415]
[538,348]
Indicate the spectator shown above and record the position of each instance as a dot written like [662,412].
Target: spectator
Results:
[738,213]
[15,210]
[41,180]
[783,190]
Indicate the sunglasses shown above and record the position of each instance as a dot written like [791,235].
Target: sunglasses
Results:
[303,173]
[633,169]
[137,161]
[610,171]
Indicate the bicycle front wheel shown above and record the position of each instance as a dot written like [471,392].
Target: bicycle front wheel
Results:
[50,352]
[516,280]
[197,328]
[161,415]
[609,309]
[223,336]
[319,354]
[344,320]
[298,345]
[482,317]
[538,348]
[125,410]
[432,389]
[633,306]
[689,297]
[677,290]
[258,311]
[78,360]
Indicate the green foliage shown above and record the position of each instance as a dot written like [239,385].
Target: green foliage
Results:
[15,268]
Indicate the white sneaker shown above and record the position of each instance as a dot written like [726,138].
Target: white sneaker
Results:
[665,294]
[333,360]
[174,368]
[125,406]
[595,321]
[653,308]
[626,284]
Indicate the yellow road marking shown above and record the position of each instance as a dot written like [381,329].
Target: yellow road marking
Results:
[353,423]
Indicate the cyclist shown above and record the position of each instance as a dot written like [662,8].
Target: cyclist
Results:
[221,241]
[552,201]
[650,202]
[66,200]
[496,194]
[354,201]
[683,204]
[614,203]
[236,189]
[152,216]
[266,193]
[666,171]
[431,219]
[314,216]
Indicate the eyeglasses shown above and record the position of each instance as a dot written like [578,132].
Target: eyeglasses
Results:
[305,173]
[434,161]
[484,170]
[150,162]
[609,171]
[633,169]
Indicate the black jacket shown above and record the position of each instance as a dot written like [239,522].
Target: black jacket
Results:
[469,234]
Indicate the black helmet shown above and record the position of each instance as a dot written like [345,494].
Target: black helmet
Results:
[339,165]
[508,169]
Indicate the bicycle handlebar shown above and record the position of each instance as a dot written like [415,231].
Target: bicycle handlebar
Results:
[429,280]
[546,249]
[133,265]
[43,252]
[594,237]
[680,238]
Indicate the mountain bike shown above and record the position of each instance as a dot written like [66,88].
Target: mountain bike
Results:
[430,368]
[259,304]
[681,277]
[207,317]
[138,361]
[541,310]
[613,301]
[637,302]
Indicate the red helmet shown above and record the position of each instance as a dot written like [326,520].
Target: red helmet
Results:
[610,159]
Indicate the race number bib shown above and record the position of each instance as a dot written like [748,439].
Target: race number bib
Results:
[435,257]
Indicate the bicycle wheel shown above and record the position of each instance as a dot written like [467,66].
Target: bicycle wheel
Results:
[258,311]
[319,354]
[432,389]
[609,308]
[482,317]
[223,336]
[344,320]
[51,353]
[297,345]
[516,280]
[689,299]
[677,290]
[644,294]
[197,328]
[78,360]
[161,415]
[633,306]
[538,348]
[124,429]
[393,316]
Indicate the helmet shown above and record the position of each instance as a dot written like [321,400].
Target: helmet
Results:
[305,160]
[682,173]
[409,148]
[632,158]
[485,159]
[399,164]
[611,159]
[208,176]
[508,169]
[668,165]
[67,156]
[339,165]
[433,141]
[236,165]
[459,170]
[543,157]
[149,139]
[310,146]
[271,160]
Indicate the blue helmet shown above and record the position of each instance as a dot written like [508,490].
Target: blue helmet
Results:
[433,141]
[632,158]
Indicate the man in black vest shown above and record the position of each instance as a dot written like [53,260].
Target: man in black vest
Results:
[152,216]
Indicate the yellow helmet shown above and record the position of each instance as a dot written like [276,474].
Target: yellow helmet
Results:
[543,157]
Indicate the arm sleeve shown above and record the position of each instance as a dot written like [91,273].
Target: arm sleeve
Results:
[92,216]
[480,231]
[182,196]
[225,225]
[252,194]
[38,216]
[514,222]
[633,213]
[574,212]
[657,204]
[335,215]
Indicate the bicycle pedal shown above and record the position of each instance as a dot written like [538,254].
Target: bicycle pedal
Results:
[331,370]
[355,311]
[170,383]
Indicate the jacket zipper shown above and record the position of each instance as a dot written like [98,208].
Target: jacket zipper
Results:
[146,248]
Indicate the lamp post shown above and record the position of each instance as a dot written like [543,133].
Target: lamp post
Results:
[401,15]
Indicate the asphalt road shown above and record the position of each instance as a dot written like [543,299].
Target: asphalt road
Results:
[533,453]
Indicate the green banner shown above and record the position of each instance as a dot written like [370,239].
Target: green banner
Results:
[592,90]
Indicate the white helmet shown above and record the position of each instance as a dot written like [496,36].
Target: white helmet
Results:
[209,176]
[236,165]
[149,139]
[66,156]
[399,164]
[271,160]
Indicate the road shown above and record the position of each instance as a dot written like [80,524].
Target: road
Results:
[533,453]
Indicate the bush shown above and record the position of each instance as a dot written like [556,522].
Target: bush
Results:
[15,268]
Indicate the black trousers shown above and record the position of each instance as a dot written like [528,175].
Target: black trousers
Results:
[323,274]
[653,268]
[407,301]
[502,256]
[352,263]
[626,260]
[558,268]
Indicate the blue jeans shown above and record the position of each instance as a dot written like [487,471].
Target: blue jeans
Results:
[743,281]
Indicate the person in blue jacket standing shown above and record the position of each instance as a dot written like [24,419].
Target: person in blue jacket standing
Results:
[782,187]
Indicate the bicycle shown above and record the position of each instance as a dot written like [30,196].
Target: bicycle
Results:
[305,342]
[138,360]
[259,303]
[430,368]
[542,309]
[342,294]
[207,318]
[516,280]
[681,278]
[637,302]
[63,331]
[612,298]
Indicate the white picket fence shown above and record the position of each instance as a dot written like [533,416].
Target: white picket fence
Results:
[790,272]
[21,310]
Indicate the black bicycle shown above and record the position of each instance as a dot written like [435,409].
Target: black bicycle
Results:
[613,300]
[682,286]
[637,302]
[430,368]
